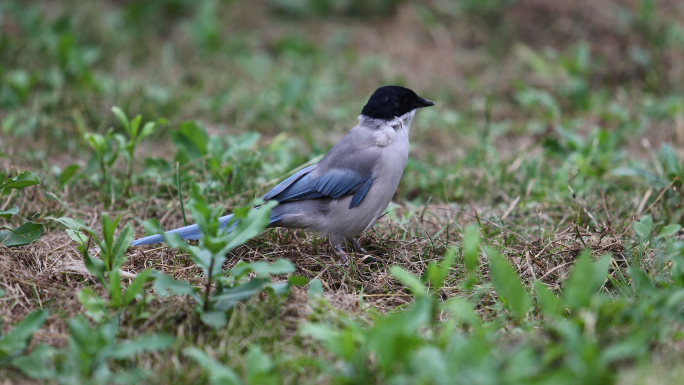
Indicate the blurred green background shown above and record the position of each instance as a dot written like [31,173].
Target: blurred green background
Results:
[558,126]
[526,89]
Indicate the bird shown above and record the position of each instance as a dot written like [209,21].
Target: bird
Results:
[343,194]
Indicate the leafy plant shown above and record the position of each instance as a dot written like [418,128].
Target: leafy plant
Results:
[89,355]
[106,269]
[230,286]
[15,341]
[28,231]
[107,148]
[260,368]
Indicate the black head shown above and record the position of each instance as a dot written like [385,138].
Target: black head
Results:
[389,102]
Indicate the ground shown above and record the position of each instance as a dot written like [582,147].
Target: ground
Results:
[557,129]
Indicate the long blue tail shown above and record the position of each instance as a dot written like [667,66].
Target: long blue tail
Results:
[189,232]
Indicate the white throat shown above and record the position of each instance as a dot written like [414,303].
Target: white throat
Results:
[402,122]
[385,132]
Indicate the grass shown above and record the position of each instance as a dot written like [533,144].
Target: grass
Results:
[556,141]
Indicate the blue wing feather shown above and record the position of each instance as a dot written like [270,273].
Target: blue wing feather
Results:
[360,193]
[334,183]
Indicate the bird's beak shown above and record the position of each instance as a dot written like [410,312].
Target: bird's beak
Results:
[424,103]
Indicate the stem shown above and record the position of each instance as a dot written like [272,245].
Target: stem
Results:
[208,289]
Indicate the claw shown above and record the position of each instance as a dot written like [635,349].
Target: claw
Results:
[341,254]
[357,247]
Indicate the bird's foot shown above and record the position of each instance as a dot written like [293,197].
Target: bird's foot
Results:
[357,247]
[341,254]
[361,250]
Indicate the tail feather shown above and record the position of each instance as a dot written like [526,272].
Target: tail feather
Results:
[189,232]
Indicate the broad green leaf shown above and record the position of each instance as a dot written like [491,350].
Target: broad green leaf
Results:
[666,231]
[67,174]
[8,213]
[281,266]
[462,310]
[22,235]
[315,288]
[644,226]
[136,286]
[147,130]
[20,181]
[297,280]
[18,338]
[508,285]
[95,306]
[549,303]
[585,280]
[230,297]
[251,226]
[414,284]
[218,373]
[76,230]
[260,367]
[144,344]
[215,319]
[191,140]
[165,285]
[342,342]
[38,363]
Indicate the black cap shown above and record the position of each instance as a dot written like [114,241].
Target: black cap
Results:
[389,102]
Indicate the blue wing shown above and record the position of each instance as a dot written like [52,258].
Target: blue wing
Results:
[335,183]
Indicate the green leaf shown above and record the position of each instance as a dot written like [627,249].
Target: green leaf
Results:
[218,373]
[67,174]
[251,226]
[281,266]
[644,226]
[585,280]
[137,285]
[549,303]
[22,235]
[17,339]
[95,266]
[123,242]
[215,319]
[260,367]
[37,364]
[508,285]
[121,115]
[95,306]
[438,273]
[20,181]
[147,130]
[7,214]
[114,280]
[462,310]
[410,280]
[297,280]
[471,247]
[665,232]
[230,297]
[165,285]
[315,288]
[144,344]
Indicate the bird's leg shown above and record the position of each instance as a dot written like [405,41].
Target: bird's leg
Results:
[361,250]
[356,246]
[341,254]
